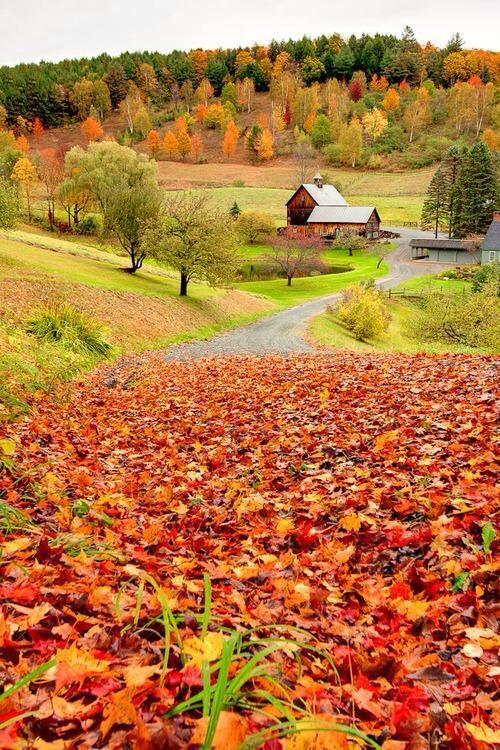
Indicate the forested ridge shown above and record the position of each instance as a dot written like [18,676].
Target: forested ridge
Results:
[51,91]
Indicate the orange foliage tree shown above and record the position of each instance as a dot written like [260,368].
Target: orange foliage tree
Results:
[390,102]
[51,174]
[37,129]
[183,143]
[197,146]
[230,140]
[91,129]
[153,143]
[170,145]
[22,144]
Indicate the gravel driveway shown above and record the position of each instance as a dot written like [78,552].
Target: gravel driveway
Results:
[283,333]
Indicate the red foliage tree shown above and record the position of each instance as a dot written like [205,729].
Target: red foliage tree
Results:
[355,90]
[37,129]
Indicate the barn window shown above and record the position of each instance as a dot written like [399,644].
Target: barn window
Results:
[492,255]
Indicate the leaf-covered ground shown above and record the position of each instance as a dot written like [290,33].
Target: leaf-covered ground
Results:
[349,495]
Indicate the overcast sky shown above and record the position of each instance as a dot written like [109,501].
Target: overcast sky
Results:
[31,30]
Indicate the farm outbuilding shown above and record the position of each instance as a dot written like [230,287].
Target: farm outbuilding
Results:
[490,248]
[445,251]
[318,209]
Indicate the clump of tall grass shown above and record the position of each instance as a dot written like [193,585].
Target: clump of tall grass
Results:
[62,324]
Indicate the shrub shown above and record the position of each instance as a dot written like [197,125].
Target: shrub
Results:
[333,154]
[392,139]
[9,204]
[465,320]
[361,310]
[487,274]
[87,225]
[71,329]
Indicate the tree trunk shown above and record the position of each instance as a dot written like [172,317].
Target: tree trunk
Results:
[184,285]
[289,281]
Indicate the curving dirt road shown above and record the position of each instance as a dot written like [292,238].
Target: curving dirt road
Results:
[283,333]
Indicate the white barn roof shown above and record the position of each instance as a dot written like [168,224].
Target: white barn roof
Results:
[324,196]
[343,214]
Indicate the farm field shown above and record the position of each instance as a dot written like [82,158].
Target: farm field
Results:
[333,517]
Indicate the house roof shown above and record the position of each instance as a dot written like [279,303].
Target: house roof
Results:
[341,214]
[492,239]
[324,196]
[446,244]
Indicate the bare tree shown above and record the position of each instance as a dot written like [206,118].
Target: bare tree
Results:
[295,257]
[304,155]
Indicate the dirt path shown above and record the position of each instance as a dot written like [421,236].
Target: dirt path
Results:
[283,333]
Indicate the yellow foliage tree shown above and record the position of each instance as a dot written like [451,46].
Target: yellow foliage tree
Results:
[416,114]
[265,145]
[492,139]
[24,173]
[351,141]
[374,123]
[183,143]
[197,146]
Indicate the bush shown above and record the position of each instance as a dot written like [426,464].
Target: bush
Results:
[361,310]
[466,320]
[392,139]
[487,274]
[71,329]
[87,225]
[9,204]
[333,155]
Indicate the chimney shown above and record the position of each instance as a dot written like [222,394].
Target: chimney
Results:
[496,215]
[318,180]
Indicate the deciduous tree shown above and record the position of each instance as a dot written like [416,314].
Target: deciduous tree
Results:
[197,146]
[91,129]
[153,143]
[374,123]
[230,140]
[51,174]
[170,145]
[390,102]
[124,185]
[24,173]
[255,226]
[294,257]
[195,238]
[322,131]
[9,204]
[265,145]
[37,129]
[351,142]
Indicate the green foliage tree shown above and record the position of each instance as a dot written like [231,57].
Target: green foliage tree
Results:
[124,186]
[477,191]
[312,69]
[235,210]
[322,131]
[255,226]
[435,209]
[9,204]
[229,94]
[193,237]
[362,311]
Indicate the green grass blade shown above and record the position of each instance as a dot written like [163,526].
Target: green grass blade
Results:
[27,679]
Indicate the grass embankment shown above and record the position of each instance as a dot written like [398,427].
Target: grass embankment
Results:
[327,331]
[136,311]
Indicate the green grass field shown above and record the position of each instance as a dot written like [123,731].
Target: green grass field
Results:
[434,283]
[393,209]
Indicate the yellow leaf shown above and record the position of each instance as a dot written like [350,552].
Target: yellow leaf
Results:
[206,649]
[135,675]
[450,709]
[15,545]
[315,735]
[324,395]
[351,522]
[284,526]
[120,710]
[230,733]
[384,438]
[483,733]
[64,709]
[7,447]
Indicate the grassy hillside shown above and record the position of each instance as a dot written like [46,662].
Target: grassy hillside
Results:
[136,312]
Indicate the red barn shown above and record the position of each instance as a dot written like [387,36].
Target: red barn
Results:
[319,209]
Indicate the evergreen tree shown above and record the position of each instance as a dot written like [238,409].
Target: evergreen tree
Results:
[235,210]
[477,191]
[435,208]
[451,169]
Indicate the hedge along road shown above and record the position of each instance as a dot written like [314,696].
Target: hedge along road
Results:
[283,332]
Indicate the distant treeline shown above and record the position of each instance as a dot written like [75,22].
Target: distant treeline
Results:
[46,90]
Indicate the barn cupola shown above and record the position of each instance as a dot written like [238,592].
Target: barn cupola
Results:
[318,180]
